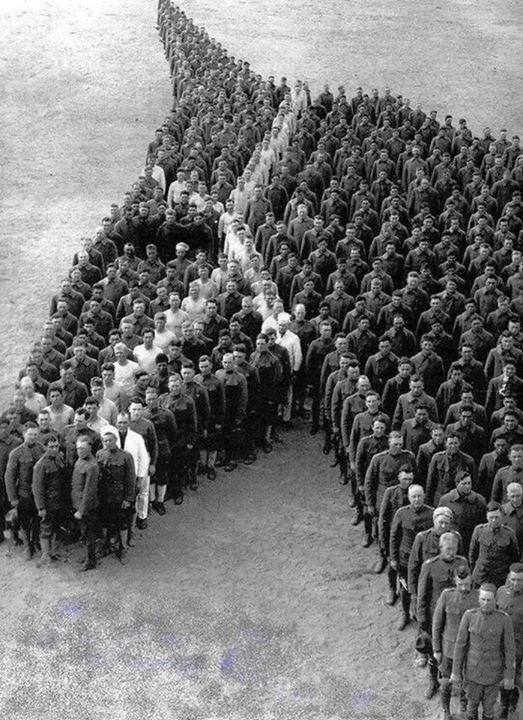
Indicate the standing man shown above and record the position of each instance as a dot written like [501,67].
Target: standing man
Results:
[134,444]
[484,654]
[493,548]
[436,574]
[117,489]
[406,524]
[84,497]
[165,428]
[450,607]
[48,476]
[19,481]
[509,598]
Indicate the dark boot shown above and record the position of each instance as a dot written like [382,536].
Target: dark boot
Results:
[463,701]
[433,686]
[28,545]
[380,564]
[405,610]
[358,517]
[392,581]
[445,694]
[130,532]
[367,524]
[504,699]
[120,549]
[45,560]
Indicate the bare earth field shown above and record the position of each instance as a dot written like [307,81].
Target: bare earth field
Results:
[253,600]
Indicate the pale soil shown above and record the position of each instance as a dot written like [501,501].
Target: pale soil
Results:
[253,599]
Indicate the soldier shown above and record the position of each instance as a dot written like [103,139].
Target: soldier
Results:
[444,468]
[437,573]
[165,428]
[48,474]
[18,482]
[117,489]
[216,394]
[493,548]
[513,511]
[509,598]
[484,654]
[381,474]
[395,497]
[184,410]
[133,443]
[84,498]
[451,605]
[8,442]
[270,374]
[407,523]
[201,402]
[368,446]
[468,507]
[509,474]
[144,427]
[236,398]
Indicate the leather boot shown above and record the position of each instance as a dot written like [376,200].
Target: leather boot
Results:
[367,537]
[433,686]
[358,516]
[120,549]
[45,559]
[405,610]
[380,564]
[504,698]
[392,580]
[28,545]
[130,532]
[446,693]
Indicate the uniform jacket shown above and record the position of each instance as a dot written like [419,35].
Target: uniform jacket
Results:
[484,652]
[447,616]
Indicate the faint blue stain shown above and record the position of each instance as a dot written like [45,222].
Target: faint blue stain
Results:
[72,609]
[171,640]
[155,663]
[228,661]
[363,700]
[256,636]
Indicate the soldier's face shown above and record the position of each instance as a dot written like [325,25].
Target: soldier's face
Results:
[487,601]
[441,524]
[464,585]
[109,441]
[516,581]
[494,519]
[449,549]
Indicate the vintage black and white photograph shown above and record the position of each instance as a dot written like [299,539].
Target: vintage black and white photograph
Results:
[261,388]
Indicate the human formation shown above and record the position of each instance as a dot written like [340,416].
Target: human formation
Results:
[350,261]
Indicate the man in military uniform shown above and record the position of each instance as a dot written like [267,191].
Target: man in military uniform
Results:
[407,522]
[8,442]
[395,497]
[18,482]
[468,507]
[493,548]
[450,607]
[236,398]
[383,471]
[117,489]
[165,429]
[509,598]
[484,654]
[84,497]
[48,475]
[436,574]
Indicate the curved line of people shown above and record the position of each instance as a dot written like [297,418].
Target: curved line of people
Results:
[351,259]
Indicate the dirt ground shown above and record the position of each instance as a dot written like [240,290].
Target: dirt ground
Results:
[253,600]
